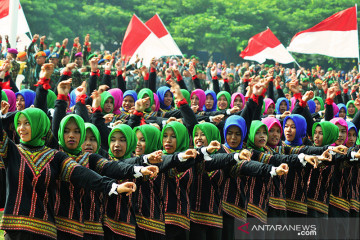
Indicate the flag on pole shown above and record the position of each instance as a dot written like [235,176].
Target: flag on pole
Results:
[23,26]
[265,45]
[336,36]
[157,26]
[140,40]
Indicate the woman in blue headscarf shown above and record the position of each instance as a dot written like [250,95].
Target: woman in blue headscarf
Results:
[24,99]
[312,106]
[342,111]
[130,97]
[282,105]
[165,97]
[210,101]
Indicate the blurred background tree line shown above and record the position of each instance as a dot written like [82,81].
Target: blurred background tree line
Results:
[211,29]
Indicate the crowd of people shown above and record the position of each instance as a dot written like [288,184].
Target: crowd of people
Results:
[93,147]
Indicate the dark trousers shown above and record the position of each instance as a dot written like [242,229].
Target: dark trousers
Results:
[275,217]
[174,232]
[142,234]
[341,219]
[204,232]
[110,235]
[228,227]
[92,237]
[22,235]
[64,236]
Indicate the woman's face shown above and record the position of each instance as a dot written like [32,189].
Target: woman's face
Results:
[290,130]
[222,103]
[209,102]
[118,144]
[194,100]
[168,98]
[169,141]
[342,113]
[141,144]
[200,139]
[342,135]
[108,105]
[72,134]
[24,128]
[233,136]
[271,109]
[238,102]
[128,103]
[90,145]
[261,137]
[318,105]
[20,102]
[351,109]
[282,107]
[318,136]
[351,138]
[274,135]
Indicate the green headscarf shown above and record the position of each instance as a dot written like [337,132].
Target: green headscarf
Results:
[211,132]
[81,124]
[255,125]
[130,139]
[321,102]
[96,133]
[263,108]
[181,133]
[152,137]
[186,95]
[147,91]
[330,132]
[39,123]
[104,97]
[227,96]
[347,108]
[4,96]
[51,98]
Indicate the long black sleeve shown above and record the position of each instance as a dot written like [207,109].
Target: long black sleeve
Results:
[248,112]
[41,98]
[280,93]
[121,82]
[152,80]
[329,112]
[216,86]
[92,84]
[81,110]
[339,99]
[59,114]
[356,120]
[227,87]
[271,93]
[99,122]
[107,80]
[189,117]
[196,82]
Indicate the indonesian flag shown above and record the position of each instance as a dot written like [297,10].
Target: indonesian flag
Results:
[157,26]
[336,36]
[265,45]
[23,26]
[140,40]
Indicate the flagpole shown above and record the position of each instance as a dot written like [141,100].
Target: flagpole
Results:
[13,12]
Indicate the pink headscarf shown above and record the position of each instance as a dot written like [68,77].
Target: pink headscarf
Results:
[118,98]
[268,102]
[343,123]
[202,97]
[293,102]
[11,99]
[157,102]
[233,99]
[270,122]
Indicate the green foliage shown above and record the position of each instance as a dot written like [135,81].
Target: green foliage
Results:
[201,25]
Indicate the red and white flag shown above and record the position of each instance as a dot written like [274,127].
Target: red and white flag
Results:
[265,45]
[157,26]
[336,36]
[23,26]
[140,40]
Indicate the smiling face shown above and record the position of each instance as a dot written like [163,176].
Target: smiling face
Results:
[128,103]
[108,105]
[72,134]
[200,139]
[290,130]
[342,135]
[118,144]
[274,135]
[209,102]
[141,144]
[20,102]
[233,136]
[24,128]
[222,102]
[90,144]
[318,136]
[261,137]
[282,107]
[168,98]
[238,102]
[169,141]
[351,138]
[351,109]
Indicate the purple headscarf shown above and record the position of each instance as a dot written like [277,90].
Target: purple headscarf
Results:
[202,97]
[157,102]
[233,99]
[293,102]
[118,98]
[343,123]
[11,99]
[270,122]
[268,102]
